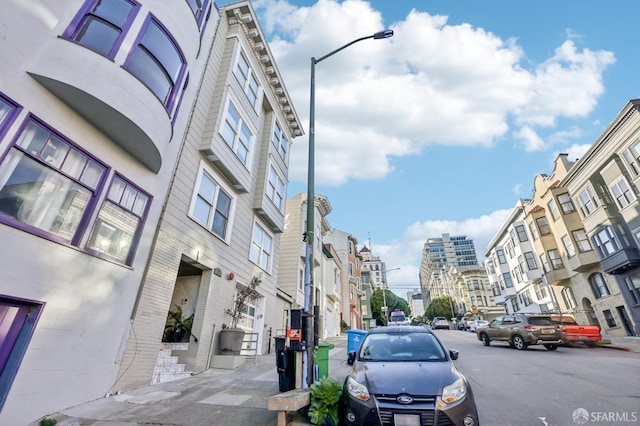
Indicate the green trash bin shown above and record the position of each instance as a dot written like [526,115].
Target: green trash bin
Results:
[321,358]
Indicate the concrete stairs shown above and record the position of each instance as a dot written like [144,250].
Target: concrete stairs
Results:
[167,367]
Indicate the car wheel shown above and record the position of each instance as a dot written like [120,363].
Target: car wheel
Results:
[519,343]
[551,347]
[485,339]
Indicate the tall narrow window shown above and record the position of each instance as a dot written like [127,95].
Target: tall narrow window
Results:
[606,241]
[261,247]
[599,286]
[543,225]
[608,316]
[247,79]
[212,205]
[280,141]
[236,134]
[534,230]
[587,201]
[622,193]
[508,282]
[569,298]
[199,9]
[8,112]
[119,224]
[553,209]
[556,260]
[47,184]
[158,63]
[522,233]
[501,257]
[101,25]
[568,245]
[565,203]
[531,260]
[631,161]
[633,285]
[275,188]
[582,240]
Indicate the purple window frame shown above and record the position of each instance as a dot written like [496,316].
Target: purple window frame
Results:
[205,12]
[91,205]
[15,338]
[11,116]
[174,97]
[138,232]
[86,11]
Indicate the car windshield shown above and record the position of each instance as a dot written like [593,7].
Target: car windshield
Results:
[401,347]
[397,317]
[541,321]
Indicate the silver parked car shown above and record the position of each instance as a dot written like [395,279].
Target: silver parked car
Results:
[522,330]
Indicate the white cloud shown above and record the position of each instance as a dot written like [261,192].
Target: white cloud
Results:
[575,152]
[407,254]
[388,98]
[517,189]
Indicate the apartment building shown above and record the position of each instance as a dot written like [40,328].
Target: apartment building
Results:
[514,271]
[471,291]
[414,298]
[98,102]
[91,121]
[224,215]
[331,294]
[603,186]
[438,254]
[545,258]
[346,247]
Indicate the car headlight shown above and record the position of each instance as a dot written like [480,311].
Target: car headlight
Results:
[357,390]
[454,392]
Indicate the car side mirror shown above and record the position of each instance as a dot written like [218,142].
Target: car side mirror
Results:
[454,354]
[351,357]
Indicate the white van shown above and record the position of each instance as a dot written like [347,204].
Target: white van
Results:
[398,318]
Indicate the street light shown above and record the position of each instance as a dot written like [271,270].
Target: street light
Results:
[307,356]
[385,309]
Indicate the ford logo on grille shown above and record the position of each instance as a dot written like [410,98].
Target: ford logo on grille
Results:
[404,399]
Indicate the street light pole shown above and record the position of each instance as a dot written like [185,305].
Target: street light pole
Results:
[307,354]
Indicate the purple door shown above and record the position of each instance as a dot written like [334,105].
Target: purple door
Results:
[17,322]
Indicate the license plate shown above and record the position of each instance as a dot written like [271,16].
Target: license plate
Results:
[406,420]
[548,331]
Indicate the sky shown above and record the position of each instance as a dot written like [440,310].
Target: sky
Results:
[443,127]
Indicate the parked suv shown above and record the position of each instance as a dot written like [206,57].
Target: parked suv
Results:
[522,330]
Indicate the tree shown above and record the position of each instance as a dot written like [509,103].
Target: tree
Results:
[440,307]
[393,302]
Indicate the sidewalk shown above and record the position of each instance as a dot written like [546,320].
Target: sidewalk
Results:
[221,397]
[213,397]
[625,343]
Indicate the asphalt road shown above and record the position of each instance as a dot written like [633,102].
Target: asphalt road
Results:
[540,387]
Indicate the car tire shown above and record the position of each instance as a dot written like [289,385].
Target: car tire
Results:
[485,339]
[551,347]
[519,343]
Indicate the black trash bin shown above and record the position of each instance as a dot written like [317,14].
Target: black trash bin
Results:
[285,360]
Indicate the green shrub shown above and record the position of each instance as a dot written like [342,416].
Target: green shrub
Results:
[325,395]
[47,422]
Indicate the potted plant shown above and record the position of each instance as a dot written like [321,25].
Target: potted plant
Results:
[325,395]
[231,336]
[177,326]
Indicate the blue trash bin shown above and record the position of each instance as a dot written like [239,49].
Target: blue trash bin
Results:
[354,338]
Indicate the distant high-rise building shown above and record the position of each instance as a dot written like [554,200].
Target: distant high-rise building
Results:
[439,254]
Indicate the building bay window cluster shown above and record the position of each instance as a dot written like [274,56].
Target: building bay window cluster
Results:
[585,234]
[51,187]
